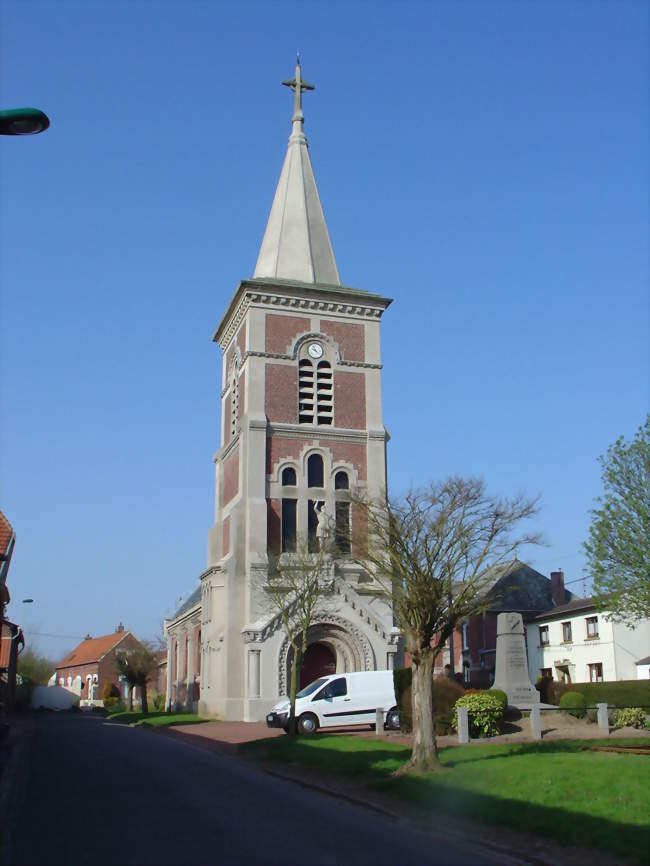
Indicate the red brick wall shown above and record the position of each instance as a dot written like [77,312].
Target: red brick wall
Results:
[350,452]
[281,393]
[280,449]
[349,336]
[281,331]
[105,669]
[350,400]
[274,525]
[230,468]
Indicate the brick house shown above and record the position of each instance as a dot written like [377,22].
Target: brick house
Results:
[91,665]
[511,587]
[11,635]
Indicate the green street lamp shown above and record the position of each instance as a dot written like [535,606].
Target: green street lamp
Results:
[23,121]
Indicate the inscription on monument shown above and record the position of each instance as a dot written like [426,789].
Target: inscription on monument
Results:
[511,671]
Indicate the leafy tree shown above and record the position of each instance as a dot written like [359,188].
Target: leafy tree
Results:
[297,586]
[618,549]
[35,668]
[431,550]
[136,667]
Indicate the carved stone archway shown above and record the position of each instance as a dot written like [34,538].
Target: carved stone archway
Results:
[350,646]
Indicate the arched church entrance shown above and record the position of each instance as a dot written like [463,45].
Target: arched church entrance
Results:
[319,661]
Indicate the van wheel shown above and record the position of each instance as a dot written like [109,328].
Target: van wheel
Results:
[392,721]
[307,724]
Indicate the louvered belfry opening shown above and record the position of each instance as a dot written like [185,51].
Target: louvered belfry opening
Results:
[315,393]
[306,397]
[324,393]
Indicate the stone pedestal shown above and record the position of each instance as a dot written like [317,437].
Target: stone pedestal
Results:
[535,723]
[463,725]
[511,670]
[603,719]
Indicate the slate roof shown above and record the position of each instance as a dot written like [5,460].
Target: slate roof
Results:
[515,586]
[574,606]
[645,661]
[92,649]
[191,601]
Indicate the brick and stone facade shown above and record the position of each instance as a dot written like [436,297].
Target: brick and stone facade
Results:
[301,381]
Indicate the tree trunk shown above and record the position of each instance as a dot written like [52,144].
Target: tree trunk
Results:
[145,705]
[130,699]
[425,749]
[293,688]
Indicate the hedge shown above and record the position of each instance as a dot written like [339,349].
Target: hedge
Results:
[625,693]
[445,695]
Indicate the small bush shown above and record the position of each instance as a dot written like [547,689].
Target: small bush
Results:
[110,691]
[157,702]
[573,703]
[445,695]
[484,711]
[115,705]
[501,696]
[544,686]
[630,717]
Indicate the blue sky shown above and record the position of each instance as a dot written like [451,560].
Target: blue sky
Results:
[484,164]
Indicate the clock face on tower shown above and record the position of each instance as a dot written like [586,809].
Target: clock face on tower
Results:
[315,350]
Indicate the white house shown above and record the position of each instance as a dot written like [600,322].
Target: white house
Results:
[643,668]
[575,643]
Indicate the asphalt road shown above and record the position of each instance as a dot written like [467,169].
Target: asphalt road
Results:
[98,793]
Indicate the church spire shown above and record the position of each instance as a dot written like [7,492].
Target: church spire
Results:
[296,243]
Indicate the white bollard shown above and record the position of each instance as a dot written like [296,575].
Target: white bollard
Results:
[603,719]
[535,723]
[463,725]
[379,721]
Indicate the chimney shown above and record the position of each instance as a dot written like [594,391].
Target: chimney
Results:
[119,628]
[88,637]
[557,588]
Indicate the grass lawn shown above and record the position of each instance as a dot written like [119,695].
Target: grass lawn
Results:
[155,719]
[559,790]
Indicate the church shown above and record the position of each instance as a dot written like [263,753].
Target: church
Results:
[301,429]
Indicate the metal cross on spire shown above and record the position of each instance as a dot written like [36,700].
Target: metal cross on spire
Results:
[298,85]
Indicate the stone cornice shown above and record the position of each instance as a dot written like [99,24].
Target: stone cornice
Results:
[281,356]
[222,453]
[311,432]
[288,294]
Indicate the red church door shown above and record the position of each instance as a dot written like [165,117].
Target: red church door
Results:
[319,661]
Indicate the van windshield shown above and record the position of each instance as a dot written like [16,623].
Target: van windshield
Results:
[311,688]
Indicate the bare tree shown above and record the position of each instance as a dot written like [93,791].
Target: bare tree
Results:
[297,586]
[136,667]
[431,550]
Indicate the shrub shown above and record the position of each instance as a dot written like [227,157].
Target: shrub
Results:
[630,717]
[484,711]
[624,693]
[501,696]
[573,703]
[544,686]
[445,695]
[110,703]
[157,702]
[110,691]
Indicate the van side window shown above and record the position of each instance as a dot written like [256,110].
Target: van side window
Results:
[334,689]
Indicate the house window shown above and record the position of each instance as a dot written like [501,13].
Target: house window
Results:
[566,632]
[592,627]
[315,387]
[543,635]
[546,672]
[595,672]
[342,529]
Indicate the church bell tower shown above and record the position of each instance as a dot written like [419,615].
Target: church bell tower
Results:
[301,427]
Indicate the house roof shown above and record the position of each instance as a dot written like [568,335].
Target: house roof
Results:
[515,586]
[92,649]
[645,661]
[6,534]
[6,629]
[574,606]
[191,601]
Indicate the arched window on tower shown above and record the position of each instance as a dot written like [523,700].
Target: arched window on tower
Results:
[341,481]
[315,473]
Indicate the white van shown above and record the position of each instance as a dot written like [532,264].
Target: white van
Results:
[340,699]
